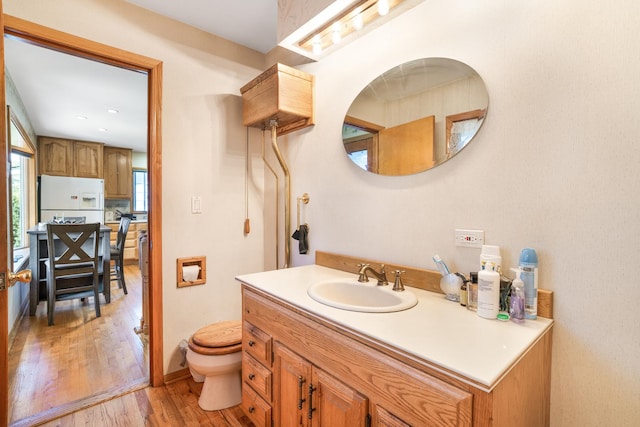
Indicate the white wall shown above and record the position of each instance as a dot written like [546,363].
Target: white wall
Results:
[555,167]
[203,151]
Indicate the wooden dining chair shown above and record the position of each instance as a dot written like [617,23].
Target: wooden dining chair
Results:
[117,253]
[73,264]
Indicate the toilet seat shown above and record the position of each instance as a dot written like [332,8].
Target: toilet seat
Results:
[218,338]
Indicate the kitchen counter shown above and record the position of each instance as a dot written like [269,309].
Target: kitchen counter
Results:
[477,351]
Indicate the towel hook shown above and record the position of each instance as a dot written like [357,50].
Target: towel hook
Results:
[304,199]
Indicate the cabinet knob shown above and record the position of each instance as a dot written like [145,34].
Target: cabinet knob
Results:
[251,409]
[251,376]
[251,343]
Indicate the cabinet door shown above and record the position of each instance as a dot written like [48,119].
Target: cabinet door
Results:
[117,173]
[292,379]
[55,156]
[335,404]
[384,418]
[87,159]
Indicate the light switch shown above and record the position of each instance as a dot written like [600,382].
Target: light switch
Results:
[196,204]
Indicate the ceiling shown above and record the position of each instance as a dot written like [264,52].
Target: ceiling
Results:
[56,87]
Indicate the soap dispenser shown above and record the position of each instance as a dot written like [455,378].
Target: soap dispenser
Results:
[516,300]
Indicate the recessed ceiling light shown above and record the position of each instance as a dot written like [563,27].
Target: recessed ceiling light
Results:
[103,129]
[112,111]
[81,117]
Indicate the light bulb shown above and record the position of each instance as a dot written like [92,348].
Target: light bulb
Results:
[317,46]
[357,22]
[383,7]
[336,35]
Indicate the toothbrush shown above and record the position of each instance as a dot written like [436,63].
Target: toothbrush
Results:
[442,267]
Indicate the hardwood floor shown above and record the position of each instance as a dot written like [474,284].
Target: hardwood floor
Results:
[53,369]
[175,404]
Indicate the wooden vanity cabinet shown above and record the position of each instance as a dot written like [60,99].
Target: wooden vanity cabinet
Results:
[306,392]
[324,376]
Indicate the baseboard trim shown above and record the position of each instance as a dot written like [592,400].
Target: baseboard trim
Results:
[177,376]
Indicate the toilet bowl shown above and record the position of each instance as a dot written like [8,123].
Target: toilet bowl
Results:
[214,355]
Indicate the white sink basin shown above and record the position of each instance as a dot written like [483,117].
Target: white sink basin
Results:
[349,294]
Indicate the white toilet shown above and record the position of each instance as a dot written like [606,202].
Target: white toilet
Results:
[214,356]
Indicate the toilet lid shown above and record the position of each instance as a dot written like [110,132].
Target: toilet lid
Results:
[218,338]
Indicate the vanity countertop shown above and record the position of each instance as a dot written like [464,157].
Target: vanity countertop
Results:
[476,350]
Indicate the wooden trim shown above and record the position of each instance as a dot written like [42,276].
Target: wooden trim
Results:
[4,249]
[427,280]
[363,124]
[415,277]
[155,226]
[69,408]
[64,42]
[177,376]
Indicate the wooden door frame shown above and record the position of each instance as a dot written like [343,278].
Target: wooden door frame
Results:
[67,43]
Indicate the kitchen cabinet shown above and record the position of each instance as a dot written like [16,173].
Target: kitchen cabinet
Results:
[117,173]
[131,254]
[55,156]
[87,159]
[65,157]
[305,357]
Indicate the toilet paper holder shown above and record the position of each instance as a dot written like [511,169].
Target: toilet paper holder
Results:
[186,267]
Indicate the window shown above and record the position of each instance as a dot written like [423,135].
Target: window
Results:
[22,187]
[19,199]
[140,191]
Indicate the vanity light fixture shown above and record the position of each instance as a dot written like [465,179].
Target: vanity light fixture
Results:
[340,22]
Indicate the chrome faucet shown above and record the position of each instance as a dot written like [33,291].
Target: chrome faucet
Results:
[398,286]
[382,276]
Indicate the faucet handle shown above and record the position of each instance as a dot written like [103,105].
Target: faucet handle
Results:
[398,286]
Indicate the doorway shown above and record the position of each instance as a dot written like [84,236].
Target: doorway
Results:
[62,42]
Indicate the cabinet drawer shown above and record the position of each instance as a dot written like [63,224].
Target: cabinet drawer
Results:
[258,411]
[256,375]
[257,343]
[130,253]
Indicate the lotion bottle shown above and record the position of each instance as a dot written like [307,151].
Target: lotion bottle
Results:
[488,291]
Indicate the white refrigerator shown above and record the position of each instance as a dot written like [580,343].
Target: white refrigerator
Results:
[68,199]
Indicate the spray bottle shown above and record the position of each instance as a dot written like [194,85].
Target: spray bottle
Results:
[516,300]
[529,275]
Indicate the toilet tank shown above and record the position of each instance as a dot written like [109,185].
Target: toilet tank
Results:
[280,93]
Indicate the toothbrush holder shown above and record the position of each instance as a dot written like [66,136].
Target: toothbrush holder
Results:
[450,285]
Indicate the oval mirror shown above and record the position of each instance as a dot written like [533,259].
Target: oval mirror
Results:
[415,116]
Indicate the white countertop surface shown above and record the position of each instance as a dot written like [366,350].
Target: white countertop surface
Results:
[442,332]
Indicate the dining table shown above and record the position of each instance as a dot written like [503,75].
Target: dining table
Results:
[38,255]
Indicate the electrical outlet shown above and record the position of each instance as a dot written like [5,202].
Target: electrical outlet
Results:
[470,238]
